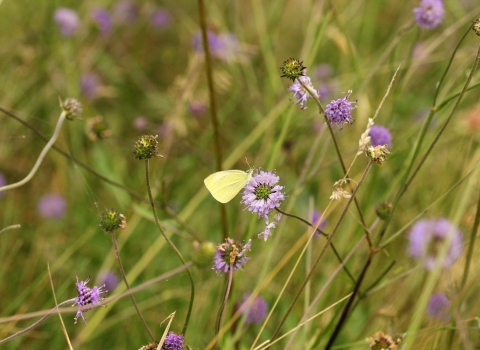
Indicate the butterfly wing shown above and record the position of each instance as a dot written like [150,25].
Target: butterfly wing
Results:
[224,185]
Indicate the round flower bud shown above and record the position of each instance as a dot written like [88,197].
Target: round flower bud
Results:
[292,69]
[146,147]
[112,220]
[384,210]
[203,253]
[71,107]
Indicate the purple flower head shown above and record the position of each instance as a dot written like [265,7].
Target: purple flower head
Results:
[339,112]
[160,18]
[269,226]
[215,42]
[51,206]
[300,93]
[109,280]
[90,84]
[103,20]
[427,237]
[439,307]
[262,194]
[256,311]
[322,71]
[173,342]
[67,21]
[3,182]
[380,136]
[140,123]
[229,47]
[125,11]
[197,108]
[429,14]
[231,254]
[87,296]
[316,215]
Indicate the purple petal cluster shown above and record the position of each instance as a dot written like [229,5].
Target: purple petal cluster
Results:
[160,18]
[256,311]
[380,136]
[51,206]
[262,194]
[300,93]
[231,254]
[439,307]
[173,342]
[103,20]
[427,237]
[339,112]
[269,226]
[67,20]
[429,14]
[87,296]
[222,46]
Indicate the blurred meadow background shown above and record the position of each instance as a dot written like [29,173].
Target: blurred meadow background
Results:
[139,68]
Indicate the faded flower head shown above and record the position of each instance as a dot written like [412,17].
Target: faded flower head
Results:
[98,128]
[380,136]
[72,108]
[52,206]
[67,21]
[173,342]
[112,220]
[339,112]
[262,194]
[255,310]
[427,238]
[146,147]
[439,307]
[103,20]
[150,346]
[476,26]
[339,192]
[160,18]
[231,254]
[429,14]
[382,341]
[292,69]
[87,296]
[302,94]
[378,154]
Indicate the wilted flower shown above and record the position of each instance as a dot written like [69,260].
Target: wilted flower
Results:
[125,11]
[67,21]
[109,280]
[378,154]
[339,112]
[302,94]
[429,14]
[380,136]
[292,69]
[87,296]
[255,310]
[339,192]
[103,20]
[439,307]
[72,108]
[52,206]
[382,341]
[112,220]
[173,342]
[231,254]
[160,18]
[90,85]
[427,237]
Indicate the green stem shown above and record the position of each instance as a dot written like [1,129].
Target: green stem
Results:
[471,244]
[218,321]
[157,221]
[122,271]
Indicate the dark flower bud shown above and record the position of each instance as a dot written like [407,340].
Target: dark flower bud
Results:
[146,147]
[112,220]
[292,69]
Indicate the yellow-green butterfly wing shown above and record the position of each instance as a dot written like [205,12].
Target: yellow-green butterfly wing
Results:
[224,185]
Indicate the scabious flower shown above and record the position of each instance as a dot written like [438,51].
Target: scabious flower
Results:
[255,310]
[51,206]
[429,14]
[173,342]
[224,46]
[160,18]
[380,136]
[428,236]
[90,85]
[146,147]
[302,94]
[339,112]
[109,280]
[103,20]
[439,307]
[87,296]
[125,11]
[67,21]
[231,254]
[292,69]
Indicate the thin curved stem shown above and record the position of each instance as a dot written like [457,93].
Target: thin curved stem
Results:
[218,321]
[471,244]
[40,158]
[122,271]
[157,221]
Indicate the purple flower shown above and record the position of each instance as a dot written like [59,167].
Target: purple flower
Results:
[3,182]
[439,307]
[51,206]
[104,22]
[222,46]
[197,108]
[428,236]
[229,254]
[109,280]
[125,11]
[316,215]
[380,136]
[339,112]
[262,194]
[87,296]
[300,93]
[140,123]
[67,21]
[256,311]
[90,85]
[429,14]
[173,342]
[160,18]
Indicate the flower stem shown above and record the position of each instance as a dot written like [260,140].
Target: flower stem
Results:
[471,244]
[157,221]
[122,271]
[218,322]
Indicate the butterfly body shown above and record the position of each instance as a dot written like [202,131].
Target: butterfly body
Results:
[224,185]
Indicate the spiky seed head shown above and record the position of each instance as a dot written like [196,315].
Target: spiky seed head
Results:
[146,147]
[292,69]
[112,220]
